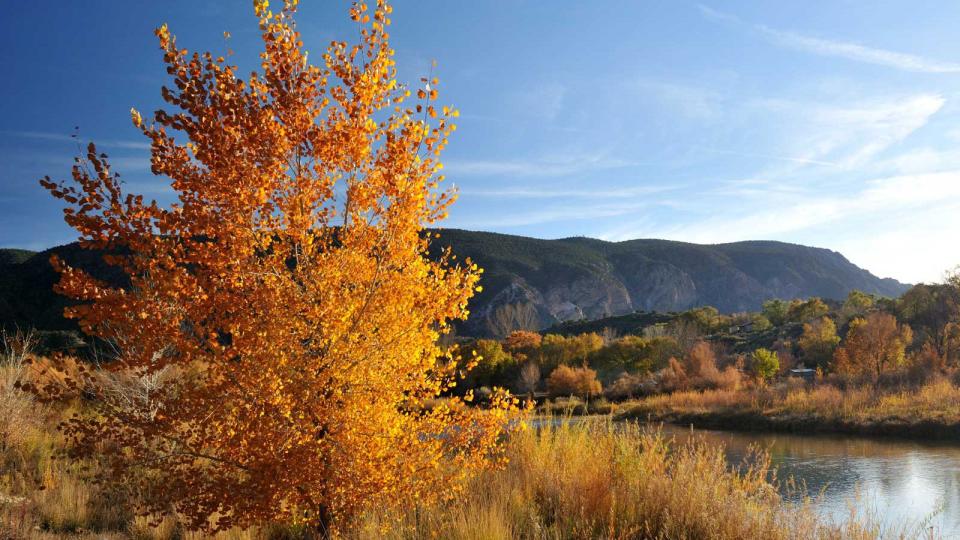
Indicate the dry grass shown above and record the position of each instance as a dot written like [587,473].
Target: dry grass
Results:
[934,403]
[574,406]
[598,480]
[591,479]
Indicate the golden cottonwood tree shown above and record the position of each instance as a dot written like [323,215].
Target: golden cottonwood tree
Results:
[287,297]
[818,342]
[874,345]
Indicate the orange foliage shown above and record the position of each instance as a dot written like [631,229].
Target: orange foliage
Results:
[702,361]
[522,341]
[289,286]
[874,345]
[568,381]
[698,370]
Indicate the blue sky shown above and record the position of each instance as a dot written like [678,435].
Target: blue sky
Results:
[828,123]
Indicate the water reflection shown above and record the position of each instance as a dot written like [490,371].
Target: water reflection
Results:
[892,480]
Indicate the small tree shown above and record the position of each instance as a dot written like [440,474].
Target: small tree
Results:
[775,311]
[707,318]
[492,363]
[569,381]
[557,349]
[949,343]
[818,342]
[584,345]
[674,376]
[701,361]
[856,305]
[507,318]
[523,344]
[764,364]
[926,362]
[873,345]
[952,277]
[760,323]
[289,286]
[629,353]
[530,378]
[685,332]
[807,310]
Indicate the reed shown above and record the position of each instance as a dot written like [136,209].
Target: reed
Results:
[931,409]
[565,479]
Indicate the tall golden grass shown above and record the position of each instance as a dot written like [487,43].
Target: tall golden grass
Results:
[936,402]
[597,479]
[592,479]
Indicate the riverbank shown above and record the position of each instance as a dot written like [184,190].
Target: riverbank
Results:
[573,480]
[931,411]
[597,479]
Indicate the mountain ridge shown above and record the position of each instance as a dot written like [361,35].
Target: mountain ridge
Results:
[587,278]
[535,283]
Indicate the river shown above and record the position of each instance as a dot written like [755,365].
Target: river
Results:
[894,481]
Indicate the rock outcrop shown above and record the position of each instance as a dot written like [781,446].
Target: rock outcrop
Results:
[532,283]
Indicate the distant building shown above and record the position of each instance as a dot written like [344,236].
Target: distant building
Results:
[805,373]
[737,328]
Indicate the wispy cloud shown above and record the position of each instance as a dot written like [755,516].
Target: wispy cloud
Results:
[716,15]
[569,212]
[921,160]
[755,188]
[554,193]
[59,137]
[910,249]
[779,215]
[549,166]
[860,53]
[912,216]
[791,159]
[840,49]
[543,100]
[881,124]
[843,136]
[691,101]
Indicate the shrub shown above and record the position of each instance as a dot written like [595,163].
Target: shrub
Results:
[673,377]
[18,345]
[600,406]
[556,349]
[568,381]
[529,377]
[628,386]
[764,364]
[926,364]
[495,366]
[728,379]
[19,414]
[701,361]
[522,341]
[818,342]
[564,406]
[873,345]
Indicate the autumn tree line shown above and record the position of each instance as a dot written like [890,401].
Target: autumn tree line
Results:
[280,327]
[863,339]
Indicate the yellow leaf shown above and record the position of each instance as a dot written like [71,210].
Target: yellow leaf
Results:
[135,116]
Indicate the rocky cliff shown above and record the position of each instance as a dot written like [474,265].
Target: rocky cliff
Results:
[532,283]
[536,283]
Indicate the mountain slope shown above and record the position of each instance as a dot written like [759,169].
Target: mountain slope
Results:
[535,283]
[548,281]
